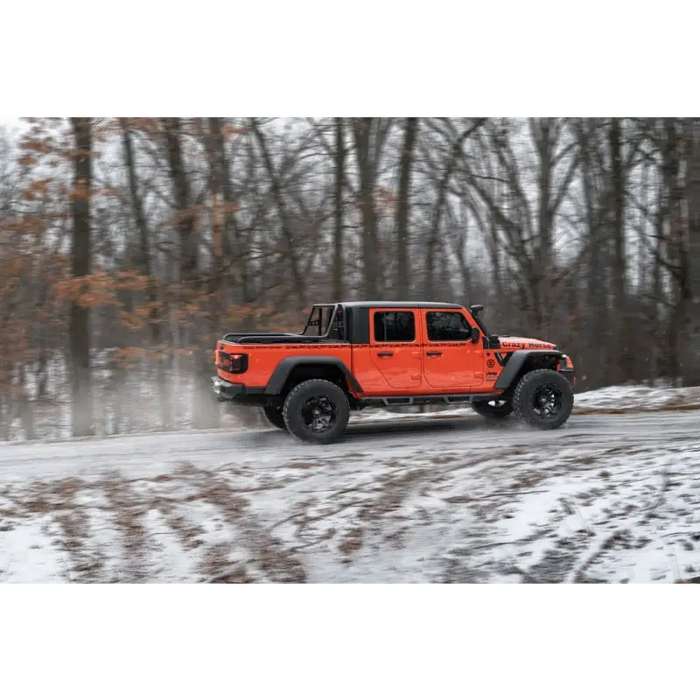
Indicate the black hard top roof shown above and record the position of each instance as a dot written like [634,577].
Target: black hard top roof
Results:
[399,304]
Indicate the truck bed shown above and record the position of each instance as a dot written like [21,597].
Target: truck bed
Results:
[255,338]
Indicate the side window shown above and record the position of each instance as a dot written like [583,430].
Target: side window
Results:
[394,326]
[446,326]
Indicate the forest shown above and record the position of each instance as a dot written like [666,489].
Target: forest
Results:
[129,245]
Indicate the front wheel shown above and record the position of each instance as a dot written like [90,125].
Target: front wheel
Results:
[316,411]
[496,408]
[543,399]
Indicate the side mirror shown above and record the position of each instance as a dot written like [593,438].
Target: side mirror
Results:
[475,335]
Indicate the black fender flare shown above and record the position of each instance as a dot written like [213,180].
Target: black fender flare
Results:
[515,364]
[284,369]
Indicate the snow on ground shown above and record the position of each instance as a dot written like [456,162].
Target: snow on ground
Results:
[435,498]
[638,397]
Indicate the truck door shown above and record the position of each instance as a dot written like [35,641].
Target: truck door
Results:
[395,346]
[452,363]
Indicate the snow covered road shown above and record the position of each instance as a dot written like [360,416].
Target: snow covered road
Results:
[417,499]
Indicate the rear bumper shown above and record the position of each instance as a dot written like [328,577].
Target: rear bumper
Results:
[227,391]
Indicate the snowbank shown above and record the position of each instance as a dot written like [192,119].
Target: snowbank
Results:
[638,398]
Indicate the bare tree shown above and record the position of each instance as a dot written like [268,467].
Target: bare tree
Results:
[79,325]
[403,207]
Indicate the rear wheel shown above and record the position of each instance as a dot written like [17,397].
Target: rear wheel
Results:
[543,399]
[496,408]
[316,411]
[274,416]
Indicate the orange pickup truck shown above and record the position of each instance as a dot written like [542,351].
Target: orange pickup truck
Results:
[357,354]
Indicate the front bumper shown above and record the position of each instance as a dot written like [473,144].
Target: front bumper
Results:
[569,374]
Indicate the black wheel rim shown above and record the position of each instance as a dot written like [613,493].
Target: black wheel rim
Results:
[319,414]
[547,400]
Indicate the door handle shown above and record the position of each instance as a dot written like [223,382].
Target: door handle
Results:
[434,353]
[385,354]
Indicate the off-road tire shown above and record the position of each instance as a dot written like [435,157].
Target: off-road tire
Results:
[525,395]
[296,401]
[274,417]
[483,408]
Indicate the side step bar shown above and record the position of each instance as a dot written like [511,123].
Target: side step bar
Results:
[446,399]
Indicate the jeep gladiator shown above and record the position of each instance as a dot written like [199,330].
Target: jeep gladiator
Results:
[352,355]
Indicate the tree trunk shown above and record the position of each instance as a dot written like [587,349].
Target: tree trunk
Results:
[232,232]
[79,321]
[691,359]
[183,203]
[624,359]
[362,128]
[25,407]
[676,258]
[338,210]
[402,208]
[205,409]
